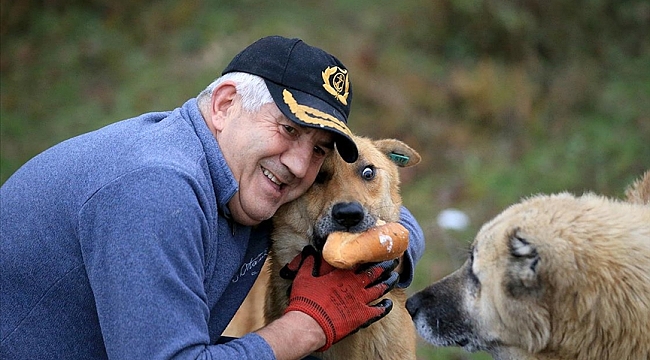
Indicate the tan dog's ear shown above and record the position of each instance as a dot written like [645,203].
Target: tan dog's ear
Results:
[639,191]
[523,272]
[398,152]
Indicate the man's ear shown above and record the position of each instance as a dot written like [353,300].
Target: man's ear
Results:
[222,99]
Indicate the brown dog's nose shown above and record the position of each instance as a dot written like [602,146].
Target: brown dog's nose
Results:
[347,214]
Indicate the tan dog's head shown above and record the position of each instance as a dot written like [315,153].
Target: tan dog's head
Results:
[556,276]
[346,197]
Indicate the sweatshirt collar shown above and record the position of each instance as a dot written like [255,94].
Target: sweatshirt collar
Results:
[224,183]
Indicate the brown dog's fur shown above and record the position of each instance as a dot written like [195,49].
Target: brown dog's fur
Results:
[372,185]
[553,277]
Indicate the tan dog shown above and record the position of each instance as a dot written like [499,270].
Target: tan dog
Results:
[553,277]
[348,197]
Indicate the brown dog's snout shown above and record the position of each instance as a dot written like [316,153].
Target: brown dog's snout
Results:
[347,214]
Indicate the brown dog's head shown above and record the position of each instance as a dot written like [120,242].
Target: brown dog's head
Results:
[348,196]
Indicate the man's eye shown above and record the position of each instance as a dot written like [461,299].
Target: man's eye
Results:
[289,129]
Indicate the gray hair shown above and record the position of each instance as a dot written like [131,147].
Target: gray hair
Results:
[252,89]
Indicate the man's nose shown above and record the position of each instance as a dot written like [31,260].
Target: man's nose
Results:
[298,158]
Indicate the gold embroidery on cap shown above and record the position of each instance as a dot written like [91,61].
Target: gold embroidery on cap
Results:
[313,116]
[337,83]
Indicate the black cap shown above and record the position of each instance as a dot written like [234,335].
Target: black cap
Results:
[309,86]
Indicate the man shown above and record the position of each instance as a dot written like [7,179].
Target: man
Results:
[141,239]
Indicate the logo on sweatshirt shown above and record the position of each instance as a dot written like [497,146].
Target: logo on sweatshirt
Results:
[251,267]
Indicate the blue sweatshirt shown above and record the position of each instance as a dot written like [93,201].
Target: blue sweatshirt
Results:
[117,244]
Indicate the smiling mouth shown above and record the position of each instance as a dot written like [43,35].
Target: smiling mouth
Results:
[271,177]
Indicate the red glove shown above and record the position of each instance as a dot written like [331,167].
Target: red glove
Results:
[338,299]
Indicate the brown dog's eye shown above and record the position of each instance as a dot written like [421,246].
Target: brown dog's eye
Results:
[322,177]
[368,173]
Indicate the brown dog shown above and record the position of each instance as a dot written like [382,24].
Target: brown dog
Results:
[345,197]
[552,277]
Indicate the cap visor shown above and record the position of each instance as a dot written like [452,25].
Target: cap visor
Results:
[307,110]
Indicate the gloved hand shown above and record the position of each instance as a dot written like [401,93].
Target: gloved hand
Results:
[339,299]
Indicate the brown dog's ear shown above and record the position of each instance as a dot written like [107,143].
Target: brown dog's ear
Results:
[523,269]
[398,152]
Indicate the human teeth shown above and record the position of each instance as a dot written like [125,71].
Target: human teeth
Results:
[271,177]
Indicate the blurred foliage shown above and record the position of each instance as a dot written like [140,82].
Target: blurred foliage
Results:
[503,99]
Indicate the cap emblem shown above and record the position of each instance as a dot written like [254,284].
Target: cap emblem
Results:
[337,83]
[313,116]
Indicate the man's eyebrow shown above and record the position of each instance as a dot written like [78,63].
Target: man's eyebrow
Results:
[329,144]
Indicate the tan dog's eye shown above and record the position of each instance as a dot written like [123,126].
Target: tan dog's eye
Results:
[470,270]
[368,173]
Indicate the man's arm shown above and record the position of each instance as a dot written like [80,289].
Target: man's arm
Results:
[406,268]
[293,336]
[142,245]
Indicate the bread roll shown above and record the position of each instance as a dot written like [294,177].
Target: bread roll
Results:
[383,242]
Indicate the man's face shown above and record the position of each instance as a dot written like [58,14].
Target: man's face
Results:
[274,159]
